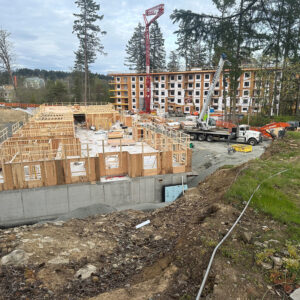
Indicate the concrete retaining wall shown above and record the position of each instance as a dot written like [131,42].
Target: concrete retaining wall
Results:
[31,205]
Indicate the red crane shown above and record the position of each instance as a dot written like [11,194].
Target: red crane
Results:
[155,11]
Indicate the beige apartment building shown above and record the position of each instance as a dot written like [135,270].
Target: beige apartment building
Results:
[186,91]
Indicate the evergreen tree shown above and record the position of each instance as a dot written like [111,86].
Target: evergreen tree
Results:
[157,49]
[56,91]
[87,32]
[173,64]
[136,50]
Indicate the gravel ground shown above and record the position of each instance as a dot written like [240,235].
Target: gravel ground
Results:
[209,156]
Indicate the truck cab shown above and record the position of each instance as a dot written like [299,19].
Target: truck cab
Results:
[243,134]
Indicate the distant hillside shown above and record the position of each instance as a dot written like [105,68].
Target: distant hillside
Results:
[45,74]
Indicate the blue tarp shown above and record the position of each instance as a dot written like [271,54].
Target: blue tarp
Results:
[173,192]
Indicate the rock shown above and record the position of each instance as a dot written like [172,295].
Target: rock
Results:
[58,261]
[277,261]
[272,242]
[246,236]
[17,257]
[266,266]
[258,244]
[85,272]
[295,295]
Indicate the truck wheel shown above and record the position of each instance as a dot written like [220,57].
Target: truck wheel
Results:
[201,137]
[193,137]
[210,138]
[252,142]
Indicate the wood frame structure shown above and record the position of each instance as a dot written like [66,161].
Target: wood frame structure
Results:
[46,152]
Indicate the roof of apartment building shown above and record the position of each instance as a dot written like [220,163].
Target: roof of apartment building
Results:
[193,71]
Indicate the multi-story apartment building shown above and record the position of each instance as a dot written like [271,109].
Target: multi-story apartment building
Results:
[186,91]
[7,93]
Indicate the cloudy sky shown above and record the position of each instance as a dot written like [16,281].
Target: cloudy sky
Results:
[41,30]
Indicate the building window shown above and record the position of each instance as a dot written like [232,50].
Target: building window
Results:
[133,93]
[216,93]
[205,93]
[246,93]
[156,78]
[179,100]
[118,79]
[179,93]
[119,93]
[156,93]
[245,109]
[245,101]
[172,85]
[162,78]
[132,78]
[206,76]
[246,75]
[162,100]
[206,84]
[141,93]
[133,106]
[118,86]
[133,100]
[172,93]
[162,93]
[141,78]
[218,84]
[246,83]
[162,85]
[237,93]
[191,77]
[179,85]
[197,84]
[216,101]
[179,77]
[197,108]
[197,93]
[133,86]
[190,93]
[141,86]
[172,77]
[156,85]
[197,101]
[198,77]
[190,85]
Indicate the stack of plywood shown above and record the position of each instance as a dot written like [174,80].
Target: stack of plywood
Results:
[118,134]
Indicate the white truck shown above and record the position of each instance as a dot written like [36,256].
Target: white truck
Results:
[240,134]
[206,129]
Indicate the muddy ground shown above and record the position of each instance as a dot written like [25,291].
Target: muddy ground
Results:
[165,259]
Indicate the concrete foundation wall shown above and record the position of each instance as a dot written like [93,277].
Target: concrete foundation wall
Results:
[31,205]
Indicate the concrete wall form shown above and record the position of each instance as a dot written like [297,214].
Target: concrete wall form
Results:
[44,203]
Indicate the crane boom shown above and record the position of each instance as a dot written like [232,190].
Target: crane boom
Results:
[212,87]
[157,10]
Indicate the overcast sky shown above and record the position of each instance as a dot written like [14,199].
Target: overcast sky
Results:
[41,30]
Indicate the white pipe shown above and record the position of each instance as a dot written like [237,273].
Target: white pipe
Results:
[228,233]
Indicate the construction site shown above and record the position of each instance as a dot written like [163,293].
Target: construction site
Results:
[160,194]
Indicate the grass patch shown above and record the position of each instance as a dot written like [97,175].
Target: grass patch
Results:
[278,196]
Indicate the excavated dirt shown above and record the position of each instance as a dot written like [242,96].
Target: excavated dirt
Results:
[163,260]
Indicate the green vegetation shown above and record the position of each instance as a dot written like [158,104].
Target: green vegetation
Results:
[261,120]
[278,196]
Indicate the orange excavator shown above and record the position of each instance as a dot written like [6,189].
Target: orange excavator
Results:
[273,130]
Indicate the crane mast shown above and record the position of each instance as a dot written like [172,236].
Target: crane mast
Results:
[211,91]
[157,11]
